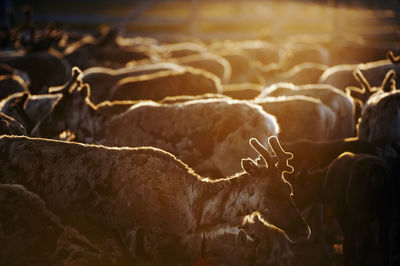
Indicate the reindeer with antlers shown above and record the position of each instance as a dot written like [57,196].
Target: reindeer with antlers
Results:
[366,91]
[380,122]
[122,189]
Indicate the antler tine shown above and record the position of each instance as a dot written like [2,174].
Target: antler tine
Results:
[282,156]
[258,147]
[74,78]
[389,82]
[352,90]
[359,76]
[393,59]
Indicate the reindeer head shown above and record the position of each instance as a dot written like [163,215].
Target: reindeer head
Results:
[366,91]
[70,112]
[274,193]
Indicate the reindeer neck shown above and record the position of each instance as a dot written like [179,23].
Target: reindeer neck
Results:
[225,201]
[307,188]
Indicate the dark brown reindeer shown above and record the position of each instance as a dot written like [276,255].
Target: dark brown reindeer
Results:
[380,122]
[360,189]
[366,91]
[122,189]
[309,158]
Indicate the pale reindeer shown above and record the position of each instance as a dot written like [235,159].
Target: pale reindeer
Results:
[123,189]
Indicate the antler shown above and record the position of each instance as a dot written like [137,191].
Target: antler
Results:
[280,160]
[393,59]
[258,147]
[366,90]
[74,78]
[389,83]
[359,76]
[282,156]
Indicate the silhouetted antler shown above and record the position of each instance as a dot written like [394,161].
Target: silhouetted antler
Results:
[74,78]
[279,160]
[366,90]
[282,156]
[257,146]
[359,76]
[389,83]
[393,59]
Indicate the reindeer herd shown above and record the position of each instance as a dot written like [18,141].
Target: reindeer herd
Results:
[133,151]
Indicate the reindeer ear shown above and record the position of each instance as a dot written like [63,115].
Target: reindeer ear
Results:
[249,166]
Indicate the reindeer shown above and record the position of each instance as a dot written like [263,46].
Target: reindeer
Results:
[379,121]
[313,155]
[301,74]
[212,63]
[102,79]
[341,76]
[45,68]
[300,117]
[360,189]
[123,189]
[366,91]
[158,85]
[30,109]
